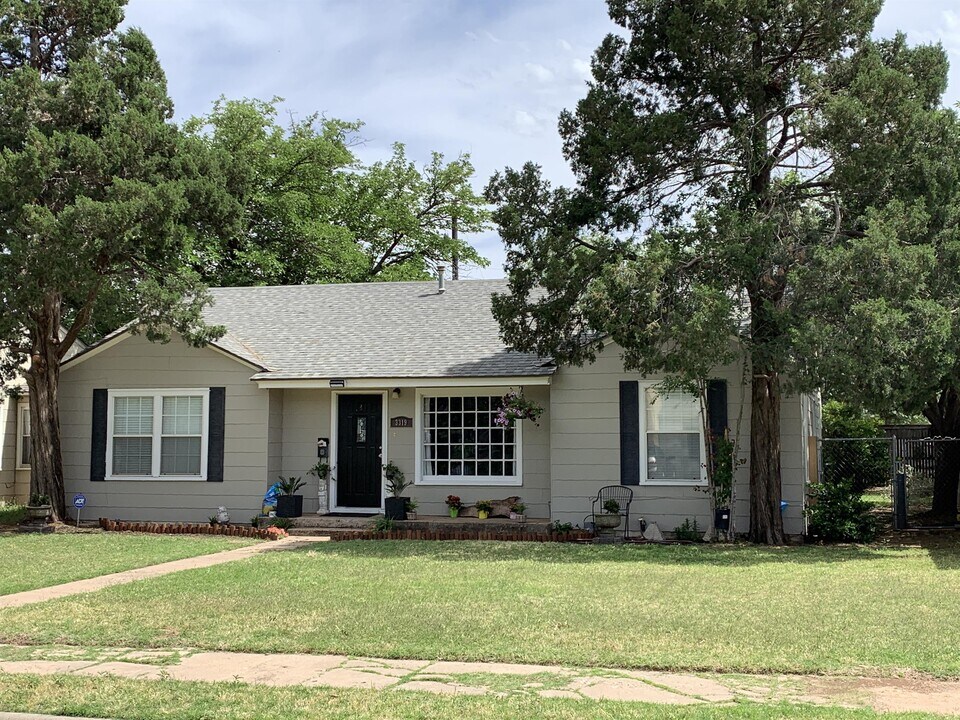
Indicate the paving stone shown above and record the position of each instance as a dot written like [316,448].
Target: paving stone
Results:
[44,667]
[151,654]
[628,689]
[394,668]
[440,688]
[494,668]
[277,669]
[137,671]
[687,684]
[568,694]
[352,678]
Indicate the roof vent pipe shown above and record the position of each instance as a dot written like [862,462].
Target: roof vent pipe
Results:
[441,287]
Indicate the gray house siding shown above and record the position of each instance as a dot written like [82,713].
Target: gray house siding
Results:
[585,416]
[137,363]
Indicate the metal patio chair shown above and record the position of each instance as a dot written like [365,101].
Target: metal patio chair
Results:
[623,496]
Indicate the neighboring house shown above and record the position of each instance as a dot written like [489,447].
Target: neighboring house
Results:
[15,436]
[378,372]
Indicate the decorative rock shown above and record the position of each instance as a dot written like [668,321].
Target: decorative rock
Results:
[653,533]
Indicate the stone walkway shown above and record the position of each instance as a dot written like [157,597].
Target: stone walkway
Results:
[474,678]
[151,571]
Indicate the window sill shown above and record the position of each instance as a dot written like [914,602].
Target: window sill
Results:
[153,478]
[470,480]
[673,483]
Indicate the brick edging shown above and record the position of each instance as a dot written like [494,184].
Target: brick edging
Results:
[575,536]
[187,529]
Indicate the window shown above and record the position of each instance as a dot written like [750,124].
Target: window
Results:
[461,444]
[673,435]
[23,436]
[158,434]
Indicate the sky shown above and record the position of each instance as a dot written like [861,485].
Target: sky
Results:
[484,77]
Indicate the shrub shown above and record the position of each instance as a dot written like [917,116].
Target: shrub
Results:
[838,513]
[282,522]
[863,463]
[12,514]
[688,532]
[383,525]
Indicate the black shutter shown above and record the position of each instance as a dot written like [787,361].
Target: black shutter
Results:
[98,437]
[629,432]
[217,415]
[717,407]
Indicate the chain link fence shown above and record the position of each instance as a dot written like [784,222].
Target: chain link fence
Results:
[872,467]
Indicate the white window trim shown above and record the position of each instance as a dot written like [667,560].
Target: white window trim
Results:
[21,406]
[644,480]
[158,395]
[463,480]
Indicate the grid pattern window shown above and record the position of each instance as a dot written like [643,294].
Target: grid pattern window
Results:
[460,439]
[23,437]
[158,434]
[674,438]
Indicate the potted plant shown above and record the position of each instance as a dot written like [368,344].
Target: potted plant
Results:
[411,509]
[454,504]
[483,509]
[610,518]
[518,512]
[395,506]
[39,507]
[289,504]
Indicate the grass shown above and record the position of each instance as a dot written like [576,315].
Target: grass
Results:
[32,561]
[741,609]
[12,514]
[175,700]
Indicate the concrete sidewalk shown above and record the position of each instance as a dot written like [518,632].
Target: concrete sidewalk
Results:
[151,571]
[496,679]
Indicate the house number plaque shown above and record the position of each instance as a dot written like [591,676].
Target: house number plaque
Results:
[401,422]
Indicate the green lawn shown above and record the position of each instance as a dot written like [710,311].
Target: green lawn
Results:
[33,561]
[172,700]
[806,609]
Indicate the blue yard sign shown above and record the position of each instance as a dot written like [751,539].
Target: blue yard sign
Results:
[78,502]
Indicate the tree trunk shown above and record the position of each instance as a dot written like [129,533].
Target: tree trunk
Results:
[43,380]
[766,523]
[944,416]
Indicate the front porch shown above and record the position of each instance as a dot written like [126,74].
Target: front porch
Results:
[313,524]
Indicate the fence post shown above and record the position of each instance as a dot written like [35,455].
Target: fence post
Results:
[900,501]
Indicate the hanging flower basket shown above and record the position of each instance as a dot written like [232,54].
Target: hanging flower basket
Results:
[513,407]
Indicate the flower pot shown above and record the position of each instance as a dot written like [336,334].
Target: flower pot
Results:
[411,514]
[454,512]
[521,518]
[483,514]
[289,506]
[395,508]
[39,512]
[606,521]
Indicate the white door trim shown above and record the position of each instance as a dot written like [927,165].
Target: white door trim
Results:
[385,427]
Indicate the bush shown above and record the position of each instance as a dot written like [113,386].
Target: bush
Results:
[688,532]
[838,513]
[862,462]
[12,514]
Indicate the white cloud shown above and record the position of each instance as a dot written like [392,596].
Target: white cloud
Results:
[539,72]
[582,68]
[525,123]
[564,45]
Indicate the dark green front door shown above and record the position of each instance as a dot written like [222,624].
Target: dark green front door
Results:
[359,450]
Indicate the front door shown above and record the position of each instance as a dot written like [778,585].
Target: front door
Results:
[359,450]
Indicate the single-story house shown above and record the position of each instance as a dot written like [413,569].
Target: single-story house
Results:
[369,373]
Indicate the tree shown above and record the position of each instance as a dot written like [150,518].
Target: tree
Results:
[314,214]
[97,197]
[719,146]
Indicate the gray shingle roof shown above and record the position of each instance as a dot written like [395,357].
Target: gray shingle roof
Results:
[403,329]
